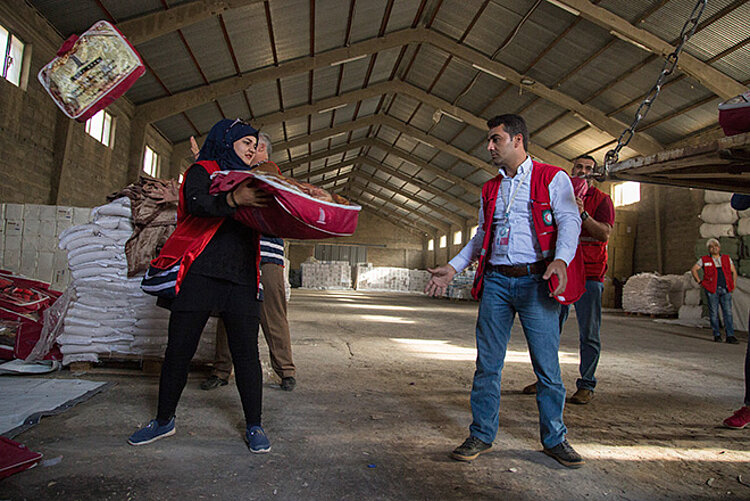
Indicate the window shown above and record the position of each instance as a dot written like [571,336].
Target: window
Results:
[11,49]
[431,244]
[627,193]
[443,241]
[100,127]
[474,231]
[457,237]
[151,162]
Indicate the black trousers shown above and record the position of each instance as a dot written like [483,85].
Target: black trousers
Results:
[185,329]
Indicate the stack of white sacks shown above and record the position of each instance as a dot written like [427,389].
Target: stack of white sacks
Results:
[718,216]
[648,293]
[391,279]
[326,275]
[109,314]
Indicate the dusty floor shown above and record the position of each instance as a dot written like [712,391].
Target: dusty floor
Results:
[383,396]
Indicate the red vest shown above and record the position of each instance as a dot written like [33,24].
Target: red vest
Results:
[191,236]
[544,227]
[711,277]
[594,251]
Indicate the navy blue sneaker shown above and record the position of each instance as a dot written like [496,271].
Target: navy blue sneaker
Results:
[256,439]
[152,433]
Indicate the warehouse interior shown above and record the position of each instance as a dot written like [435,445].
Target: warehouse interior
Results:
[385,103]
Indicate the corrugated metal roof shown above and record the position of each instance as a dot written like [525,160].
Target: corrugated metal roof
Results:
[606,82]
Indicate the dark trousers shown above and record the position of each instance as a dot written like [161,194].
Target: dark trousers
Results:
[275,325]
[747,375]
[185,329]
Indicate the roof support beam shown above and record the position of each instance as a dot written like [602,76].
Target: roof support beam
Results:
[428,219]
[451,216]
[147,27]
[394,217]
[463,206]
[717,82]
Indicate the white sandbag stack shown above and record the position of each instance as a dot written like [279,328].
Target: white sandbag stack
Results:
[647,293]
[110,314]
[718,216]
[326,275]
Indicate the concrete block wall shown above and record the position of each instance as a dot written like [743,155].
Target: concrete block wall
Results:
[46,158]
[679,209]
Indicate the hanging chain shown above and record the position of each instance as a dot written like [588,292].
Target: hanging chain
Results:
[670,63]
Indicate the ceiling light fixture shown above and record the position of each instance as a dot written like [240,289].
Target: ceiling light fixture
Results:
[489,72]
[527,81]
[349,60]
[331,108]
[566,8]
[439,113]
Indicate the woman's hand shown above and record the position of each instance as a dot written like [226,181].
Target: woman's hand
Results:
[249,196]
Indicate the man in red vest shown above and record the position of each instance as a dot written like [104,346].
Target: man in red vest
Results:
[719,277]
[597,218]
[528,234]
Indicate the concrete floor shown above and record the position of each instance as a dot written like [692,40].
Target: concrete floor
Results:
[383,396]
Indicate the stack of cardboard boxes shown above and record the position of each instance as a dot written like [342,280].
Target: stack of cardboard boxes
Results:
[28,240]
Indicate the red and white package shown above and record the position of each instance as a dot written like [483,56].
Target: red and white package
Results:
[91,71]
[580,186]
[292,213]
[734,114]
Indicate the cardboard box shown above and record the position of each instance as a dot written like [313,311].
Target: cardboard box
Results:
[64,213]
[62,225]
[12,260]
[48,212]
[81,215]
[44,266]
[31,227]
[32,211]
[48,228]
[28,262]
[14,212]
[13,228]
[13,242]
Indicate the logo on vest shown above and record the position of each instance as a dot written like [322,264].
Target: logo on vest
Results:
[321,216]
[547,217]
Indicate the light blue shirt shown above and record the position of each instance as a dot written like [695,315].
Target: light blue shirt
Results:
[523,246]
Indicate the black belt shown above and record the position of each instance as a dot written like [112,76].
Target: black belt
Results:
[519,270]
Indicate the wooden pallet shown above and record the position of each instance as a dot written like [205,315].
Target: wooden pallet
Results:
[131,365]
[721,164]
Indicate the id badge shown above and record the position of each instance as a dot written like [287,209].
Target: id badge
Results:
[502,237]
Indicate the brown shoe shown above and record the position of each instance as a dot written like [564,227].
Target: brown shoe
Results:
[529,390]
[581,396]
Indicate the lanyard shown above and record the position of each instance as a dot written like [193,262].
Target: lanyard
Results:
[513,195]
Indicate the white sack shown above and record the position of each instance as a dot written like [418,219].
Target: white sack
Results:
[719,214]
[693,297]
[716,197]
[708,230]
[743,227]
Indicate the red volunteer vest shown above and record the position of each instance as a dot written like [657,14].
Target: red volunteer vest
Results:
[711,277]
[594,251]
[191,236]
[544,227]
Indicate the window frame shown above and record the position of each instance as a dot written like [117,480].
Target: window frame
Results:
[619,198]
[107,127]
[155,162]
[20,70]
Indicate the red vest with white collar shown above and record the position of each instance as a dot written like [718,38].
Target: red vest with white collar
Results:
[594,251]
[191,237]
[544,227]
[711,276]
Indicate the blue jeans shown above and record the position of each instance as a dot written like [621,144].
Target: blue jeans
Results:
[722,298]
[502,298]
[589,315]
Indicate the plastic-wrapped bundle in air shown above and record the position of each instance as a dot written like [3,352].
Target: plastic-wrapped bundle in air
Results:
[719,213]
[716,197]
[708,230]
[648,293]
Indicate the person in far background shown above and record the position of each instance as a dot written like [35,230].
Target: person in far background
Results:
[741,417]
[719,287]
[273,313]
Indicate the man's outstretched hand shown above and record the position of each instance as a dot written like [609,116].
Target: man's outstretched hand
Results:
[441,277]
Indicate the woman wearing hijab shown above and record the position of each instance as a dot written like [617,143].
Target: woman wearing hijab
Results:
[210,264]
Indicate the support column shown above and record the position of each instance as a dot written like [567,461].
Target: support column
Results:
[657,221]
[64,131]
[137,145]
